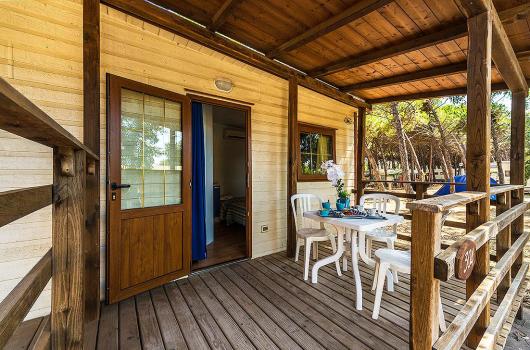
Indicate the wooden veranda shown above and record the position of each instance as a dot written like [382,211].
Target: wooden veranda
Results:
[359,53]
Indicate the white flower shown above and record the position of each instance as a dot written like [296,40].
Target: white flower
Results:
[334,172]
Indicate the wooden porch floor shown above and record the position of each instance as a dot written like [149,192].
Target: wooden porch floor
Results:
[264,304]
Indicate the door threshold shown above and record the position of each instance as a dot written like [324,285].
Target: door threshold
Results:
[216,266]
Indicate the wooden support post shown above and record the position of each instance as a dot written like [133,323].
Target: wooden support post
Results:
[91,137]
[517,165]
[424,288]
[421,190]
[359,154]
[68,305]
[478,151]
[503,242]
[292,171]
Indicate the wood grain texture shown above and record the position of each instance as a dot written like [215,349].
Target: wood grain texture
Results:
[222,13]
[352,13]
[203,36]
[503,241]
[478,151]
[464,322]
[19,301]
[359,154]
[16,204]
[444,203]
[293,162]
[91,138]
[68,304]
[424,288]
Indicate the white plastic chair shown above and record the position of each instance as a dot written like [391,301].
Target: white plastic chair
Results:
[306,236]
[396,260]
[381,202]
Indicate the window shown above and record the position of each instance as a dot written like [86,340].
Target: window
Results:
[317,145]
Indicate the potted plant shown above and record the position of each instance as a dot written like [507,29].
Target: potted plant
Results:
[336,175]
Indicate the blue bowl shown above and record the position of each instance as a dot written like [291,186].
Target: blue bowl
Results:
[323,212]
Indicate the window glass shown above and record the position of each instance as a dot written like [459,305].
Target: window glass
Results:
[316,147]
[151,150]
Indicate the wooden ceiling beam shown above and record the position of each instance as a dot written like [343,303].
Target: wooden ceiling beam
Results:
[181,26]
[431,94]
[354,12]
[502,54]
[408,77]
[451,32]
[408,45]
[221,15]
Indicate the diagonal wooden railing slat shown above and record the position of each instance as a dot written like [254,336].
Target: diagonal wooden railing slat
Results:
[445,261]
[519,284]
[464,321]
[16,204]
[17,304]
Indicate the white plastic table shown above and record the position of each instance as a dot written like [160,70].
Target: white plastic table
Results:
[357,226]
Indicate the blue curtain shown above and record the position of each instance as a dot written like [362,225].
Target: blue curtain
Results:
[198,226]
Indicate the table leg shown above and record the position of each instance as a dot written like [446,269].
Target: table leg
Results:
[356,274]
[329,259]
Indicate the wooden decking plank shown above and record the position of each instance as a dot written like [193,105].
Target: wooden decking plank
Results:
[129,334]
[230,328]
[108,328]
[258,337]
[148,323]
[275,333]
[297,333]
[214,335]
[397,336]
[22,336]
[339,287]
[266,298]
[169,327]
[307,306]
[91,334]
[192,334]
[330,334]
[328,306]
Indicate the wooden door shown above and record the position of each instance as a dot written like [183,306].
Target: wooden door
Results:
[148,187]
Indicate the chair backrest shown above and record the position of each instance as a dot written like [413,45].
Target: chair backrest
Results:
[302,202]
[381,201]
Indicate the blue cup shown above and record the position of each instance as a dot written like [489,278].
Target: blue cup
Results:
[340,206]
[326,205]
[324,212]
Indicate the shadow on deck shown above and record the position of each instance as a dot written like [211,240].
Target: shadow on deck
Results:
[262,303]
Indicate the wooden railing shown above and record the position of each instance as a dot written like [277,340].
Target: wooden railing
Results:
[430,265]
[73,166]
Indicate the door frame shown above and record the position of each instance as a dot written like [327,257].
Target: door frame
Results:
[114,84]
[248,198]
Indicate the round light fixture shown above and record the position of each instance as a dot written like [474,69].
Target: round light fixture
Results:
[223,84]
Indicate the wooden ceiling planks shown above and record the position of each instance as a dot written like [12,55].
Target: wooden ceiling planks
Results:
[362,47]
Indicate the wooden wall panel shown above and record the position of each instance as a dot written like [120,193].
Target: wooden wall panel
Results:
[41,55]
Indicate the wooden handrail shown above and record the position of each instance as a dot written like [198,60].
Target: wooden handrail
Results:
[15,204]
[444,262]
[443,203]
[17,304]
[414,182]
[519,284]
[464,321]
[504,188]
[22,117]
[449,223]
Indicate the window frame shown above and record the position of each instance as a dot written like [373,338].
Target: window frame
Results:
[316,129]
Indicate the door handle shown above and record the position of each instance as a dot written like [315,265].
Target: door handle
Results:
[114,186]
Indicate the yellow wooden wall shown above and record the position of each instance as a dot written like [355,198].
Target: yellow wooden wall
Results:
[41,55]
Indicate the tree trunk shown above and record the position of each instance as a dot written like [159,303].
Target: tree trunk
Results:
[403,154]
[428,107]
[415,159]
[431,163]
[374,169]
[496,147]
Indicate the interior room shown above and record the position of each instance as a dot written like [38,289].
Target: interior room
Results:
[225,187]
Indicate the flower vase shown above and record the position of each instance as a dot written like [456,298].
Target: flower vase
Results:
[343,203]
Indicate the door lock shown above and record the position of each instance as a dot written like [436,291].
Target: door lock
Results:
[113,196]
[114,186]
